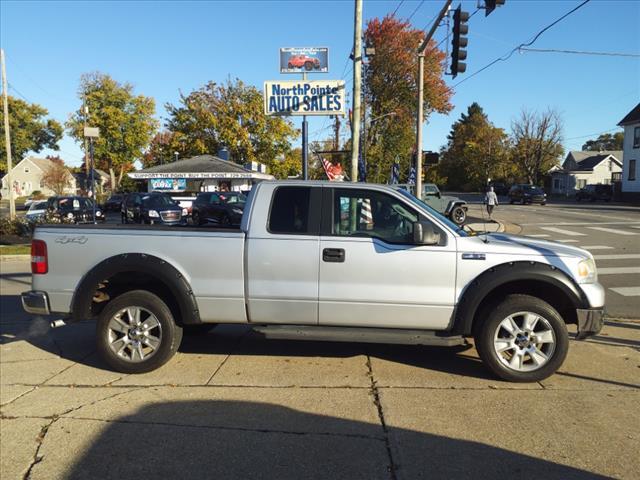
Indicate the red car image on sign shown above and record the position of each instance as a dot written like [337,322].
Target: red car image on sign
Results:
[303,61]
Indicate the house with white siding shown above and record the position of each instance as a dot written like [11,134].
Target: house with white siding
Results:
[26,177]
[631,155]
[580,169]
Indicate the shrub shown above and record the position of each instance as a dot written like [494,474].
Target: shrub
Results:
[18,227]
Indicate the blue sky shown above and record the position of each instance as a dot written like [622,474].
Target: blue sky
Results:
[163,48]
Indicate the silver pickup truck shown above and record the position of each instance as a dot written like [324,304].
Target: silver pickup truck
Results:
[320,261]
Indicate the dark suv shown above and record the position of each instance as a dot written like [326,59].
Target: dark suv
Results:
[525,193]
[152,208]
[114,203]
[595,192]
[223,208]
[73,209]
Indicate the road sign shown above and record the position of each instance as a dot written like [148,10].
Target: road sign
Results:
[304,59]
[304,97]
[91,132]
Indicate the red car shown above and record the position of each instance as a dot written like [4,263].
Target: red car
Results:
[300,61]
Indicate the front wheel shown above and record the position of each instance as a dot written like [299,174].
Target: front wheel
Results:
[523,339]
[458,215]
[136,332]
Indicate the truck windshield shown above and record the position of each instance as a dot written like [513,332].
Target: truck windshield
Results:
[228,197]
[438,215]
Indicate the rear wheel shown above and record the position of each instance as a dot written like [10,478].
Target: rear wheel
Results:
[308,66]
[195,218]
[136,332]
[523,339]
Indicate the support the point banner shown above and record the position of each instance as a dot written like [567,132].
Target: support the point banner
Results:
[304,97]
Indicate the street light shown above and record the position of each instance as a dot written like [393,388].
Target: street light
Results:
[176,154]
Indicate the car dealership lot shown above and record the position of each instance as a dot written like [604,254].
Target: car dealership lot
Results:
[232,404]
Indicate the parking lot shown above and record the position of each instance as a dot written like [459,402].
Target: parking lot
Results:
[234,405]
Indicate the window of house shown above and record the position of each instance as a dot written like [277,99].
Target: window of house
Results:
[556,184]
[290,211]
[636,137]
[632,170]
[372,214]
[581,183]
[26,169]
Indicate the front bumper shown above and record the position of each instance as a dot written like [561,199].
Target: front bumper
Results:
[590,322]
[35,302]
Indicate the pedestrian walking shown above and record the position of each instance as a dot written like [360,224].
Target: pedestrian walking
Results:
[491,200]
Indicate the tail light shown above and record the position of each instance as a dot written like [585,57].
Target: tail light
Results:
[39,262]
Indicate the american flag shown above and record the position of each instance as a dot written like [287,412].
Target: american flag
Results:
[395,173]
[334,172]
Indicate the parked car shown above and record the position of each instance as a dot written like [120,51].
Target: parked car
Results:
[74,209]
[114,203]
[37,211]
[223,208]
[525,193]
[595,192]
[331,261]
[300,61]
[450,206]
[499,188]
[32,199]
[152,208]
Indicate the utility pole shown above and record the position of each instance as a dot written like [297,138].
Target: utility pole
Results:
[305,141]
[357,90]
[85,114]
[336,133]
[420,113]
[7,138]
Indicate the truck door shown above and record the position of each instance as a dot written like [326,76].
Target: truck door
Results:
[371,273]
[283,256]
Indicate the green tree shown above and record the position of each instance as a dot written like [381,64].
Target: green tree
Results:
[391,85]
[230,115]
[57,176]
[605,141]
[537,143]
[288,164]
[30,130]
[126,122]
[476,151]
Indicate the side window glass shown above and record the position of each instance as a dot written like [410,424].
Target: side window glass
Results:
[372,214]
[290,210]
[215,199]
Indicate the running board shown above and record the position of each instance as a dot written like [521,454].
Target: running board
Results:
[360,335]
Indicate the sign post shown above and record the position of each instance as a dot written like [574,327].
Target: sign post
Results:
[91,133]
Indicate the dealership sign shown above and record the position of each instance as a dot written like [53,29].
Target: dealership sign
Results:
[174,184]
[304,59]
[304,97]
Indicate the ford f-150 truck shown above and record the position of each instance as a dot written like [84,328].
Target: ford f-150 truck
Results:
[320,261]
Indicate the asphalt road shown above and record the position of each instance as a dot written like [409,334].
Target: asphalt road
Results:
[610,232]
[234,405]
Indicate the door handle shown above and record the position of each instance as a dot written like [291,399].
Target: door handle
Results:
[334,255]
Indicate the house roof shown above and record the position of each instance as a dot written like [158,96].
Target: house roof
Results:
[587,160]
[632,117]
[42,163]
[201,166]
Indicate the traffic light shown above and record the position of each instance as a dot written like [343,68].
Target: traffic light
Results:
[490,6]
[460,28]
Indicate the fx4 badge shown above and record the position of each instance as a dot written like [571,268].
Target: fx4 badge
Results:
[64,240]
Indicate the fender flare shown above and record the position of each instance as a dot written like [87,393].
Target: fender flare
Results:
[453,204]
[500,275]
[135,262]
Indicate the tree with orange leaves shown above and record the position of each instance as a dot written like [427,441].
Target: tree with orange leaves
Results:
[390,85]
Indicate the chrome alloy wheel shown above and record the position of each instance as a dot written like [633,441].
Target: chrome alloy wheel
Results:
[134,334]
[524,341]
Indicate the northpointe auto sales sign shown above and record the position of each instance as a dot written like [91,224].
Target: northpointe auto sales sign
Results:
[304,97]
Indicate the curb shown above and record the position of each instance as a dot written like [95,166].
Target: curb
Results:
[14,258]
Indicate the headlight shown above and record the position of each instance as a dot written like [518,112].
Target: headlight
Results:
[98,213]
[154,214]
[237,210]
[185,212]
[587,271]
[69,215]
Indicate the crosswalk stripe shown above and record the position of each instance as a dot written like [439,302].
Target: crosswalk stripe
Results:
[539,235]
[613,230]
[596,247]
[567,241]
[571,233]
[624,256]
[618,270]
[627,291]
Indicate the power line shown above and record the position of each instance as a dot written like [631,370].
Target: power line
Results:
[507,56]
[593,134]
[579,52]
[19,94]
[399,5]
[414,12]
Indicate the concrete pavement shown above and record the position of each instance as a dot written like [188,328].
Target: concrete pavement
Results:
[233,405]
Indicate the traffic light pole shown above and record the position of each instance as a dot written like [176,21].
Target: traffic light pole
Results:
[420,113]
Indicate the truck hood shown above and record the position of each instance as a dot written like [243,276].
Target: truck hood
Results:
[520,245]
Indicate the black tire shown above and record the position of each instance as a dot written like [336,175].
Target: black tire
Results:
[484,338]
[290,65]
[199,329]
[458,215]
[196,219]
[308,66]
[171,333]
[543,203]
[511,201]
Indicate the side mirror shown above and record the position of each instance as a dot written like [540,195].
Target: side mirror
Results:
[424,234]
[438,194]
